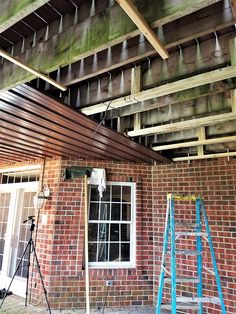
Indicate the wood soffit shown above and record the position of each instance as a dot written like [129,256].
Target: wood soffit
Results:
[34,125]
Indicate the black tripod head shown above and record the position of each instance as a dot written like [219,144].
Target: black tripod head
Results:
[31,219]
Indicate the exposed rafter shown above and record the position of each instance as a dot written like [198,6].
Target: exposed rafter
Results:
[9,17]
[184,125]
[212,141]
[143,26]
[207,156]
[169,88]
[8,57]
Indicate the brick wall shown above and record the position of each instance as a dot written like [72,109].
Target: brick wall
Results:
[60,240]
[216,181]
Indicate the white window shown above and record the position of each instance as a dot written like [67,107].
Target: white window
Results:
[112,226]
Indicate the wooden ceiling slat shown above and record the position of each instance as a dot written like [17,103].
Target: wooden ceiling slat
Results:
[47,119]
[28,127]
[24,146]
[29,121]
[35,138]
[19,149]
[45,127]
[79,118]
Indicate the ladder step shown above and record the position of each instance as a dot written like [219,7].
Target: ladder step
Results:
[184,279]
[204,234]
[187,252]
[214,300]
[187,224]
[180,306]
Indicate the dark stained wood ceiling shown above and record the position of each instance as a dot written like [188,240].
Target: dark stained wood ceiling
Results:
[33,125]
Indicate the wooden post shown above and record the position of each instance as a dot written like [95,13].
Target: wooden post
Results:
[201,137]
[86,256]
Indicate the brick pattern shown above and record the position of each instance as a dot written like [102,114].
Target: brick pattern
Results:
[216,181]
[60,241]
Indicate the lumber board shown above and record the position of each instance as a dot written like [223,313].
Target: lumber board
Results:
[14,11]
[95,34]
[212,141]
[165,89]
[184,125]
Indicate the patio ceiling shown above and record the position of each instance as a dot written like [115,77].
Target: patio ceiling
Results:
[33,125]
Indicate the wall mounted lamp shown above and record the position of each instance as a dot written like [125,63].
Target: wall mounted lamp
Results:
[41,197]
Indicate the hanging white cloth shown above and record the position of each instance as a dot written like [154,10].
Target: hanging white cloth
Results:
[98,177]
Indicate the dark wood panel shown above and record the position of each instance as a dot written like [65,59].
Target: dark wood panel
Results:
[35,125]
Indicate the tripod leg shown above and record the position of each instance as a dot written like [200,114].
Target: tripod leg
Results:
[41,277]
[17,268]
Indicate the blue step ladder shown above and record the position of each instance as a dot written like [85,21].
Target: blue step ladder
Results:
[183,303]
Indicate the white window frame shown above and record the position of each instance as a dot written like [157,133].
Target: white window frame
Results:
[132,262]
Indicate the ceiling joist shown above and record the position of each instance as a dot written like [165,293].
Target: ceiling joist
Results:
[207,156]
[143,26]
[165,89]
[212,141]
[29,69]
[184,125]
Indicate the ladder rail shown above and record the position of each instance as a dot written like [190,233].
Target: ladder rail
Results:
[199,250]
[220,293]
[173,255]
[164,250]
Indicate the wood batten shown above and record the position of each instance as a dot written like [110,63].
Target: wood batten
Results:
[184,125]
[209,156]
[225,139]
[201,132]
[169,88]
[29,69]
[43,127]
[143,26]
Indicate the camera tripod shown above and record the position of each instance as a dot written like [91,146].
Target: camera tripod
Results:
[31,249]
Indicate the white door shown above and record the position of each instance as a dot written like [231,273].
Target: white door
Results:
[16,204]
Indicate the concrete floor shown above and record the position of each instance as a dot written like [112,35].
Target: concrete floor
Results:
[13,304]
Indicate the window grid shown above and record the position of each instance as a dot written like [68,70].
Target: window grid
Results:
[111,222]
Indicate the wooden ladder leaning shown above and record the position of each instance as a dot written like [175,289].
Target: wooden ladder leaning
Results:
[170,236]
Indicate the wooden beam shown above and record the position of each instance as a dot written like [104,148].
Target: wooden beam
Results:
[29,69]
[233,99]
[14,12]
[165,89]
[175,33]
[183,96]
[209,156]
[201,137]
[84,39]
[233,6]
[143,26]
[219,140]
[184,125]
[232,50]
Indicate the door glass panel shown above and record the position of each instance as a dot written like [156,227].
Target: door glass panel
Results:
[4,209]
[22,231]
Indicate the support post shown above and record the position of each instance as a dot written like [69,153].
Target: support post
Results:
[86,256]
[201,137]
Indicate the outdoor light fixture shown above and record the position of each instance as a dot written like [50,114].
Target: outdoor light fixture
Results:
[41,197]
